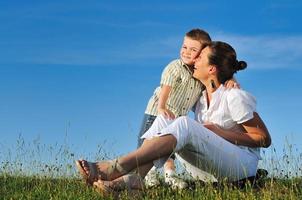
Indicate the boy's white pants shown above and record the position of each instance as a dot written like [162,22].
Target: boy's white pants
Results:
[205,155]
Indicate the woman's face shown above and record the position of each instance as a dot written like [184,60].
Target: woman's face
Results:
[202,64]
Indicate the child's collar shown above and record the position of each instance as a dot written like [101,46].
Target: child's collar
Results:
[186,66]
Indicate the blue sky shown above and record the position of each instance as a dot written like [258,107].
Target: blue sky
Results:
[83,71]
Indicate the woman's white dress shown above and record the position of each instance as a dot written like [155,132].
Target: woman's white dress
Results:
[204,154]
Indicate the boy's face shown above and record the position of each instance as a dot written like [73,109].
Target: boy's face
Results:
[190,50]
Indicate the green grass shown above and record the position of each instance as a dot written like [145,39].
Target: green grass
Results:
[14,187]
[37,171]
[22,187]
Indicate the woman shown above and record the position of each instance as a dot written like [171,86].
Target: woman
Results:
[223,142]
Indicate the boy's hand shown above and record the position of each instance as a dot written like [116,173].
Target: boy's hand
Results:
[232,83]
[166,113]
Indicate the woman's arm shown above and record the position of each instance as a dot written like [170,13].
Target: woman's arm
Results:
[256,134]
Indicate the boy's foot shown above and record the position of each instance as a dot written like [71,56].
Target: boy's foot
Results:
[151,179]
[175,181]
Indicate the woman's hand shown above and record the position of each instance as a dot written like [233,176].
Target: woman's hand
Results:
[232,83]
[211,126]
[166,113]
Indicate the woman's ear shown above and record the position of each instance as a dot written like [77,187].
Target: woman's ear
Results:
[212,69]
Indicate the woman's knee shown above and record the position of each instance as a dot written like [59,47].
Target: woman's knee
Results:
[182,119]
[185,121]
[182,124]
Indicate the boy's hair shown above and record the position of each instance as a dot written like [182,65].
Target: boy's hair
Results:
[200,35]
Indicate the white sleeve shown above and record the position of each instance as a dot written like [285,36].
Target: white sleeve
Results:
[241,105]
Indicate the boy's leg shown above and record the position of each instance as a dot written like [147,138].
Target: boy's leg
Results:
[170,175]
[146,124]
[151,179]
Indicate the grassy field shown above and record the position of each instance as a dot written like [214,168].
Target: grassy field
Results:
[22,187]
[37,171]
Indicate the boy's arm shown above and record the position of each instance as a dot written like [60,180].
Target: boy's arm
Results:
[163,97]
[232,83]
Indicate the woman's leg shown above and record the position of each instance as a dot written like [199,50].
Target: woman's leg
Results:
[210,152]
[151,150]
[131,181]
[153,147]
[215,155]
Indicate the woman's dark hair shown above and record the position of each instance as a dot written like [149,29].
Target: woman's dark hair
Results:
[223,56]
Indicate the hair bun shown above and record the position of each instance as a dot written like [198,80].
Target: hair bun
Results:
[240,65]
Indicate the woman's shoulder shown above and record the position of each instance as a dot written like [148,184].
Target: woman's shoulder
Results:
[239,95]
[241,105]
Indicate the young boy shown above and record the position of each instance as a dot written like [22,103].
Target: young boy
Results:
[176,95]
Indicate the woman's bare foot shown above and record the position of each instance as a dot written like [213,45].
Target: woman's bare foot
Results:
[128,181]
[88,171]
[105,189]
[103,170]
